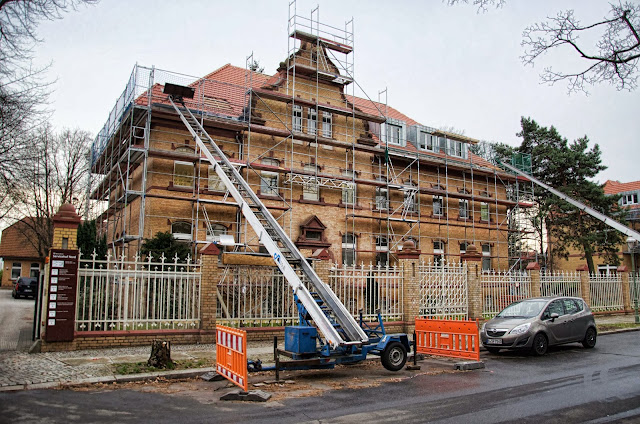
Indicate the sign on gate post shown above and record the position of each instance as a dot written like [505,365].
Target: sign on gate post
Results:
[231,355]
[61,304]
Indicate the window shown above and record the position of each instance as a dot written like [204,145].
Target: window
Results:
[349,191]
[486,257]
[463,248]
[394,134]
[214,181]
[484,211]
[607,269]
[296,114]
[438,253]
[437,206]
[382,197]
[312,121]
[457,148]
[182,174]
[181,230]
[382,251]
[327,119]
[349,249]
[34,270]
[410,200]
[310,190]
[269,180]
[313,235]
[463,207]
[554,307]
[442,145]
[16,270]
[629,199]
[214,233]
[426,140]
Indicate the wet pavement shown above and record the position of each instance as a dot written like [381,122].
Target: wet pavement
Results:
[21,370]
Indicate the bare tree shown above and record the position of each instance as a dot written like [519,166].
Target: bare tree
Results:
[23,87]
[59,176]
[612,59]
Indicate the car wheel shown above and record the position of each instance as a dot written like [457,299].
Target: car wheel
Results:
[493,350]
[394,356]
[589,340]
[540,344]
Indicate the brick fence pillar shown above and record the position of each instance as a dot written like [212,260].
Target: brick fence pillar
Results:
[409,262]
[471,258]
[65,235]
[534,273]
[623,271]
[585,286]
[323,269]
[211,275]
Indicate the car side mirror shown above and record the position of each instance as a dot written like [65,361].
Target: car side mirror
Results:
[553,316]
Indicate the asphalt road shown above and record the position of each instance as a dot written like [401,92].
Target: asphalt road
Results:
[569,385]
[16,322]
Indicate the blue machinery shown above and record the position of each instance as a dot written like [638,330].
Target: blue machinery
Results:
[341,338]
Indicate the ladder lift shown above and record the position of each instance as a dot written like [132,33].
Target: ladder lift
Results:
[345,339]
[581,206]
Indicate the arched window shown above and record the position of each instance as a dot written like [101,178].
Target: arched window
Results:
[181,230]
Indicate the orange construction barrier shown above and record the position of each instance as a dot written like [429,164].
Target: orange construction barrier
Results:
[454,338]
[231,355]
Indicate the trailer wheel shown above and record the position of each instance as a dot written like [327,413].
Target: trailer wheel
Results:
[394,356]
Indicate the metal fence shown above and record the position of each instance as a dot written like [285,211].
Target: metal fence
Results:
[634,288]
[255,296]
[499,289]
[606,292]
[560,283]
[369,288]
[115,294]
[443,291]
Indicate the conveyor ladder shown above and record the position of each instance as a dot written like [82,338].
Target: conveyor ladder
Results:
[332,319]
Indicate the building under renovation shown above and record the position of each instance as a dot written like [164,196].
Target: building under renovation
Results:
[347,177]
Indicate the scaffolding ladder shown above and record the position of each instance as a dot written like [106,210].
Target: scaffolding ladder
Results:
[325,309]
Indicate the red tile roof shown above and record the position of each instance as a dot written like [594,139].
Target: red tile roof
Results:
[222,92]
[15,243]
[615,187]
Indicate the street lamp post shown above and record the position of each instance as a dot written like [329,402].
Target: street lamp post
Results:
[633,244]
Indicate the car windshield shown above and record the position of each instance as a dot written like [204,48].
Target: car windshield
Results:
[523,309]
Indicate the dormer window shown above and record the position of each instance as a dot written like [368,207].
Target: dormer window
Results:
[629,199]
[395,132]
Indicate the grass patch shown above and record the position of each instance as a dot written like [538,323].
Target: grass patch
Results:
[617,326]
[141,367]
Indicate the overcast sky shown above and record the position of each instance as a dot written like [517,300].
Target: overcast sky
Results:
[442,65]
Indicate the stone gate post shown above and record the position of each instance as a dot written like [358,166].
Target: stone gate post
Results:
[409,262]
[471,258]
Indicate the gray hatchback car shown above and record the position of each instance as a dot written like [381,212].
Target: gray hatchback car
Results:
[538,323]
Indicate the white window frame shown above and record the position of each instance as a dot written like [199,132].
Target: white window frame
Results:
[349,193]
[426,141]
[629,199]
[485,209]
[177,177]
[463,205]
[486,257]
[349,246]
[381,195]
[607,269]
[35,266]
[312,121]
[296,118]
[327,124]
[182,236]
[267,188]
[16,266]
[311,191]
[438,199]
[395,132]
[438,252]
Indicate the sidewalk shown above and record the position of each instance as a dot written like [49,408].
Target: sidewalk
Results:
[21,370]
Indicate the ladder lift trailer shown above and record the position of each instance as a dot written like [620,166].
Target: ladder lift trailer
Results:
[341,339]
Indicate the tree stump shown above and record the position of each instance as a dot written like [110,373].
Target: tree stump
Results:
[160,354]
